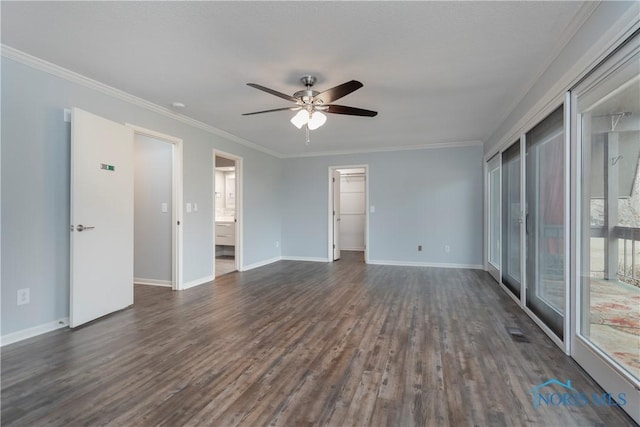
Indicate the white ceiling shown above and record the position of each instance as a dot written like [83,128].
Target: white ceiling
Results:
[437,72]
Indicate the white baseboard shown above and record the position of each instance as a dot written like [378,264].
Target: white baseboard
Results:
[152,282]
[304,258]
[197,282]
[34,331]
[425,264]
[260,263]
[354,248]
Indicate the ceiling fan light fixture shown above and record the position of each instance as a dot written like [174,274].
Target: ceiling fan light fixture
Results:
[316,120]
[300,119]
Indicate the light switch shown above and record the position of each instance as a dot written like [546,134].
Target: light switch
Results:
[165,208]
[195,207]
[372,209]
[188,207]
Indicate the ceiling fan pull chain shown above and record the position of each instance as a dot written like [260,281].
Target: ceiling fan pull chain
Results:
[307,128]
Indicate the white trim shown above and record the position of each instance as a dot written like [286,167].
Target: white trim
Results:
[239,247]
[34,331]
[353,249]
[608,42]
[427,264]
[152,282]
[197,282]
[261,263]
[304,258]
[330,210]
[454,144]
[176,200]
[58,71]
[562,41]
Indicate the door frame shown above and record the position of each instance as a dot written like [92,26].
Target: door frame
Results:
[239,208]
[176,200]
[330,208]
[493,270]
[596,362]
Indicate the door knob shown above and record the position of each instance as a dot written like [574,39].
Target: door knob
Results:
[81,227]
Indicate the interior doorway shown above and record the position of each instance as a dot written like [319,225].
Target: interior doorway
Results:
[348,212]
[157,201]
[226,208]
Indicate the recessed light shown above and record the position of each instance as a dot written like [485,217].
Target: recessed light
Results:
[178,105]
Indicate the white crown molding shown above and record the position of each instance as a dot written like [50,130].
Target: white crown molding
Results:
[609,41]
[568,33]
[457,144]
[55,70]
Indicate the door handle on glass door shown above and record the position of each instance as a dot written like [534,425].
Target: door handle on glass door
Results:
[81,227]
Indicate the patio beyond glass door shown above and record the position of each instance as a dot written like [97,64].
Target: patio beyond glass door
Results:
[609,293]
[545,221]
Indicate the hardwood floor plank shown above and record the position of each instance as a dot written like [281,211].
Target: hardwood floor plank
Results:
[295,344]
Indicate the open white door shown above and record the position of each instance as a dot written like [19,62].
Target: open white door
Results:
[336,215]
[101,217]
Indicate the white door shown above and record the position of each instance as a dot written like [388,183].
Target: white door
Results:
[101,217]
[336,215]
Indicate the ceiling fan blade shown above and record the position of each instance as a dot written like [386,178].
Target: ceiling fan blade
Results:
[273,92]
[351,111]
[271,111]
[339,91]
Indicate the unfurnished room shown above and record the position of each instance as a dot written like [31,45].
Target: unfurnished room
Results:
[327,213]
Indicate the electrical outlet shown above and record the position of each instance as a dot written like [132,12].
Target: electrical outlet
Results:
[23,296]
[447,248]
[277,243]
[419,248]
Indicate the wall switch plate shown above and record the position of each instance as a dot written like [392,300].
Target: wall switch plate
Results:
[165,207]
[23,296]
[188,207]
[419,248]
[67,115]
[447,248]
[372,209]
[195,207]
[277,243]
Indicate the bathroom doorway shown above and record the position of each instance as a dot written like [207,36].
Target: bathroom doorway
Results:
[226,213]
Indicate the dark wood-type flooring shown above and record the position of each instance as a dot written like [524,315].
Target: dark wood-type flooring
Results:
[300,343]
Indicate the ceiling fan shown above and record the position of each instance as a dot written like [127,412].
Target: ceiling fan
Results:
[311,105]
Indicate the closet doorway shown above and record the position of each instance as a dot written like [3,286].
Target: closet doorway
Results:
[348,213]
[226,208]
[157,214]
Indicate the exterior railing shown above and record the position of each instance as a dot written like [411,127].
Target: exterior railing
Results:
[629,268]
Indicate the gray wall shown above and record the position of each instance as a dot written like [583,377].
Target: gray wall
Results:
[152,227]
[429,197]
[35,190]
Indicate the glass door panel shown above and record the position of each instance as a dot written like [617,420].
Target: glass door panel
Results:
[511,218]
[609,292]
[545,220]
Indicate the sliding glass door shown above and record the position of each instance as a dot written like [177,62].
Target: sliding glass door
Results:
[511,218]
[545,221]
[607,319]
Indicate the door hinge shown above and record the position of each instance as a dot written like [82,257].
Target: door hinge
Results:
[334,213]
[334,180]
[334,246]
[178,222]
